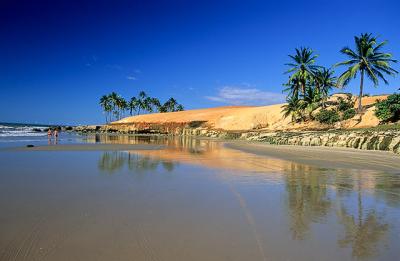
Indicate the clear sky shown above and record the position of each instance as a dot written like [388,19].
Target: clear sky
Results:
[58,57]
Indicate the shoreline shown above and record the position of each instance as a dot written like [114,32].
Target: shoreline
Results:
[320,156]
[385,138]
[88,147]
[324,157]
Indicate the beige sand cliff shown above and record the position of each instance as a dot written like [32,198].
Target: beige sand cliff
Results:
[249,117]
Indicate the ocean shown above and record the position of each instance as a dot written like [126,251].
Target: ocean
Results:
[22,130]
[21,134]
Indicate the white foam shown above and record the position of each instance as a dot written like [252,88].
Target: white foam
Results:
[22,131]
[6,127]
[21,134]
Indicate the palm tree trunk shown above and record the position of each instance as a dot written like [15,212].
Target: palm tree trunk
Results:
[361,91]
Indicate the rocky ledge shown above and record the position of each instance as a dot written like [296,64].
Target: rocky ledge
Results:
[366,139]
[363,139]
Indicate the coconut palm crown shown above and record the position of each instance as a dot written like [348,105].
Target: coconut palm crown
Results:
[367,59]
[324,80]
[302,66]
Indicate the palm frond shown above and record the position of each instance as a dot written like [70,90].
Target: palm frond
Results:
[347,51]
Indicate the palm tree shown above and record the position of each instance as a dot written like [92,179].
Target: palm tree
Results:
[147,104]
[293,87]
[293,108]
[324,81]
[311,101]
[105,103]
[180,107]
[162,109]
[133,105]
[154,104]
[367,59]
[302,67]
[122,105]
[141,101]
[113,101]
[170,104]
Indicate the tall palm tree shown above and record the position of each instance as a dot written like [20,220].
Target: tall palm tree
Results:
[302,66]
[170,104]
[324,81]
[142,95]
[113,101]
[293,87]
[122,105]
[141,101]
[105,103]
[163,108]
[154,104]
[367,59]
[148,104]
[133,105]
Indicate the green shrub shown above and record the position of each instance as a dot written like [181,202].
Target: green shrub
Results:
[348,114]
[389,109]
[327,116]
[345,104]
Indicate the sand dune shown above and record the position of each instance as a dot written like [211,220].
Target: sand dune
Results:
[245,117]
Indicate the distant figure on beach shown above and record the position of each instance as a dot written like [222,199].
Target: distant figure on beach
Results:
[49,134]
[55,133]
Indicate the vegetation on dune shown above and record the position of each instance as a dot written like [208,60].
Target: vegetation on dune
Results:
[344,104]
[115,107]
[348,114]
[308,88]
[389,109]
[328,116]
[310,84]
[292,108]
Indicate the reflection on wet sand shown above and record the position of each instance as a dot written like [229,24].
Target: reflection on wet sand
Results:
[362,233]
[205,153]
[312,195]
[114,161]
[190,199]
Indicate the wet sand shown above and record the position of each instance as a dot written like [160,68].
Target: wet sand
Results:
[122,199]
[89,147]
[325,157]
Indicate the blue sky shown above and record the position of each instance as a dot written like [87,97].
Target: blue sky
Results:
[58,57]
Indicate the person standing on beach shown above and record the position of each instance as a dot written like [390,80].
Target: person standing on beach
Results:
[55,136]
[49,134]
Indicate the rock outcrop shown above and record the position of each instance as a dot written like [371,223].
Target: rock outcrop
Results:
[366,139]
[363,139]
